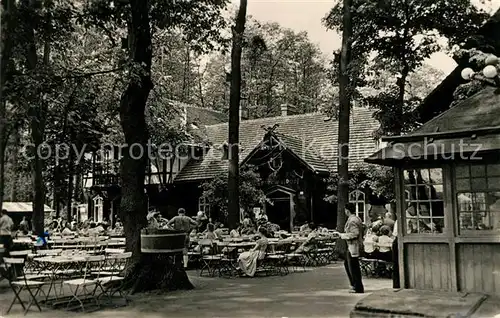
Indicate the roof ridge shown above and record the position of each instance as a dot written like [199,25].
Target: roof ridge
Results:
[204,108]
[179,103]
[256,120]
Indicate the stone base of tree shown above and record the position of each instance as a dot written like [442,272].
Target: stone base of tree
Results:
[162,272]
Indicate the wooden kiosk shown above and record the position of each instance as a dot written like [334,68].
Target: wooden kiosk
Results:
[448,198]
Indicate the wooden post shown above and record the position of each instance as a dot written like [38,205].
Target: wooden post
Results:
[400,203]
[450,224]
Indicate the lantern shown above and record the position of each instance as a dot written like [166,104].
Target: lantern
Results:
[490,71]
[491,60]
[467,73]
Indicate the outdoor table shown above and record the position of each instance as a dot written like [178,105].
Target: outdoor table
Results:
[56,267]
[20,253]
[241,244]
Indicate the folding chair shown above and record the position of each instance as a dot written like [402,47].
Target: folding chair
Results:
[15,269]
[211,261]
[277,259]
[294,258]
[110,281]
[227,262]
[85,285]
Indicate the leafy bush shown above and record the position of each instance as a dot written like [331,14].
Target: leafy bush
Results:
[251,194]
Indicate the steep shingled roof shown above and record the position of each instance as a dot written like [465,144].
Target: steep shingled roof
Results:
[316,136]
[205,116]
[487,38]
[478,111]
[472,125]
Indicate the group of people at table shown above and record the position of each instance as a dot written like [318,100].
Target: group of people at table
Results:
[260,231]
[11,233]
[376,241]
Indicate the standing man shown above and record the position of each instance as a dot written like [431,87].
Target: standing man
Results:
[183,223]
[6,227]
[354,238]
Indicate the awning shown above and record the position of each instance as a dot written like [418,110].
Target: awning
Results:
[22,207]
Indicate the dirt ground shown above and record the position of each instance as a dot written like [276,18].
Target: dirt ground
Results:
[318,292]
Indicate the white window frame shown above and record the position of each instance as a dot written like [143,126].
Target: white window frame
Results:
[360,197]
[204,206]
[98,210]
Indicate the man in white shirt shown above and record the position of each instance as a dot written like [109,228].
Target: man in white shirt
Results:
[6,227]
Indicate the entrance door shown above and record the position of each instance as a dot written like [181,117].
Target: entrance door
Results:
[279,213]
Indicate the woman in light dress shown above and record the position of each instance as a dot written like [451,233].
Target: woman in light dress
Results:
[247,261]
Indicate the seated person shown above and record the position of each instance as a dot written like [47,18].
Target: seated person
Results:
[207,235]
[152,219]
[67,231]
[210,233]
[235,233]
[272,228]
[370,248]
[389,220]
[202,220]
[247,261]
[305,228]
[219,231]
[100,229]
[310,243]
[193,235]
[385,244]
[248,229]
[247,221]
[118,227]
[322,230]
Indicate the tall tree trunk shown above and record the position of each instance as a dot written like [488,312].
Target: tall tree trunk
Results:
[37,112]
[145,271]
[344,116]
[7,29]
[133,122]
[71,169]
[14,165]
[234,118]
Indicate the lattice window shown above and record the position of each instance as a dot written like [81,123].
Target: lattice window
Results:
[204,206]
[98,209]
[357,198]
[478,197]
[424,201]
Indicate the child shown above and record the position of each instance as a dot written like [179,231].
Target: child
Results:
[369,243]
[385,243]
[209,234]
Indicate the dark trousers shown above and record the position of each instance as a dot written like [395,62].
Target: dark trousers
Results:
[353,271]
[395,260]
[6,240]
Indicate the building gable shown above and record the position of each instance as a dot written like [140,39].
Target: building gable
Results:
[310,134]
